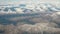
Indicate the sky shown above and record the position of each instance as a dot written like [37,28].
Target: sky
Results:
[16,1]
[55,2]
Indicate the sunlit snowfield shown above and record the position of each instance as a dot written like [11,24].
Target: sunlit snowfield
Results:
[30,17]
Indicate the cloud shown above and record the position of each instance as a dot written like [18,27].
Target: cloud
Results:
[45,22]
[36,28]
[28,1]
